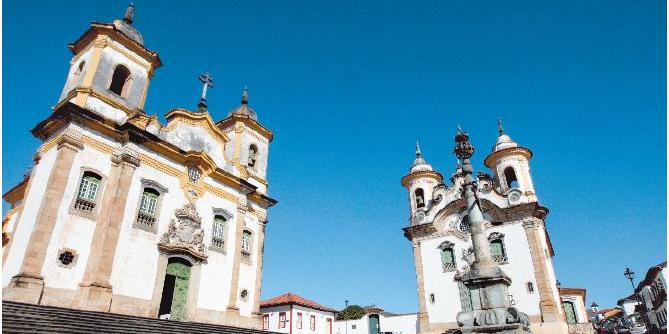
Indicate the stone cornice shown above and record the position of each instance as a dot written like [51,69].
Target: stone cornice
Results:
[422,174]
[128,132]
[17,192]
[251,123]
[490,159]
[108,29]
[415,231]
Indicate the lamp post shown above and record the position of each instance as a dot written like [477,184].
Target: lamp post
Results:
[630,276]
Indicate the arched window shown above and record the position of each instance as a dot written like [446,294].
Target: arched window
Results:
[510,176]
[79,71]
[569,311]
[218,232]
[420,198]
[88,192]
[497,249]
[447,256]
[120,81]
[246,244]
[253,156]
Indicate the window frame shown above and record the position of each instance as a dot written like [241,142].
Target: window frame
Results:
[127,82]
[504,257]
[282,319]
[508,181]
[312,323]
[443,248]
[265,322]
[99,194]
[227,218]
[298,323]
[162,191]
[422,196]
[256,156]
[246,254]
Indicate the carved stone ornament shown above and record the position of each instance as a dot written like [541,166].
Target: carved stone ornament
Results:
[185,235]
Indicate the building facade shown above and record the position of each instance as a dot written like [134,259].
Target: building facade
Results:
[292,314]
[653,293]
[378,321]
[573,304]
[121,213]
[439,232]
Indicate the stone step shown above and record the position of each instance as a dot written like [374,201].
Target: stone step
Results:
[28,318]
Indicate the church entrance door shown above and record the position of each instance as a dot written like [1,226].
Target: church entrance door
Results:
[175,290]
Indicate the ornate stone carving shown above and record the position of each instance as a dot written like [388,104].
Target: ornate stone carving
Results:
[185,235]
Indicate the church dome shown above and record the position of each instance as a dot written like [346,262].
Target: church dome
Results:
[419,164]
[244,110]
[503,141]
[125,25]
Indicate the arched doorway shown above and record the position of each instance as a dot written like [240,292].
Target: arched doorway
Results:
[374,324]
[174,298]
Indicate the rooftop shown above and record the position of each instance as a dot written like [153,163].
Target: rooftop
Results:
[293,299]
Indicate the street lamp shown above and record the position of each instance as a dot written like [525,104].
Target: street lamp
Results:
[630,276]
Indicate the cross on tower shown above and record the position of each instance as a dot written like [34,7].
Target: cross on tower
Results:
[207,81]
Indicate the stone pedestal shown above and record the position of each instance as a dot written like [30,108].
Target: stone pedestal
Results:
[24,289]
[93,298]
[498,329]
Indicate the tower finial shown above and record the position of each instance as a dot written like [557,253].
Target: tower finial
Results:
[129,13]
[499,126]
[245,96]
[418,152]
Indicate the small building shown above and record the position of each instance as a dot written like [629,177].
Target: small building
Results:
[573,303]
[629,306]
[653,294]
[293,314]
[378,321]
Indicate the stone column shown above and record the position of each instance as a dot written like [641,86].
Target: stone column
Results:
[27,286]
[233,310]
[260,252]
[96,291]
[547,303]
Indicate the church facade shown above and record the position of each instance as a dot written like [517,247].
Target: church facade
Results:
[519,242]
[121,213]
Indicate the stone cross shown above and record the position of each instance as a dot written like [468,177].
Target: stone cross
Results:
[207,81]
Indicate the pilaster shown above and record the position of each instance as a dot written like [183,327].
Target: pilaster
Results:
[260,253]
[423,317]
[547,304]
[234,284]
[95,289]
[27,286]
[91,69]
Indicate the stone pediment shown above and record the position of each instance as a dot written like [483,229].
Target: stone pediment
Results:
[185,235]
[195,132]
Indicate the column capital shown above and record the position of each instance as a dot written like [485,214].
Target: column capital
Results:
[70,139]
[126,156]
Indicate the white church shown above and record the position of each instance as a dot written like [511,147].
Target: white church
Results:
[519,242]
[124,214]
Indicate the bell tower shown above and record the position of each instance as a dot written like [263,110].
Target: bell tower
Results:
[420,182]
[111,69]
[510,163]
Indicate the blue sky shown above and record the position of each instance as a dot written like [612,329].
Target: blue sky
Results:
[348,88]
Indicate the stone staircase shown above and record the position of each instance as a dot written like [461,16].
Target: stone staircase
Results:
[28,318]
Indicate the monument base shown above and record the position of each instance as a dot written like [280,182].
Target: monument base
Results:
[497,329]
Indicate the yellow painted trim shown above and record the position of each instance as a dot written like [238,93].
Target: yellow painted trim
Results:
[102,147]
[167,169]
[133,58]
[220,192]
[203,120]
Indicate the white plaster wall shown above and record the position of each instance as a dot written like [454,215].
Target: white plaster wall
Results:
[273,313]
[445,288]
[28,217]
[427,184]
[320,316]
[400,324]
[247,272]
[105,110]
[72,231]
[360,326]
[216,275]
[521,168]
[72,81]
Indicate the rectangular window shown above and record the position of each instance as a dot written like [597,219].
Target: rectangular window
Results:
[148,204]
[312,322]
[328,328]
[265,321]
[282,320]
[298,325]
[89,188]
[246,243]
[218,233]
